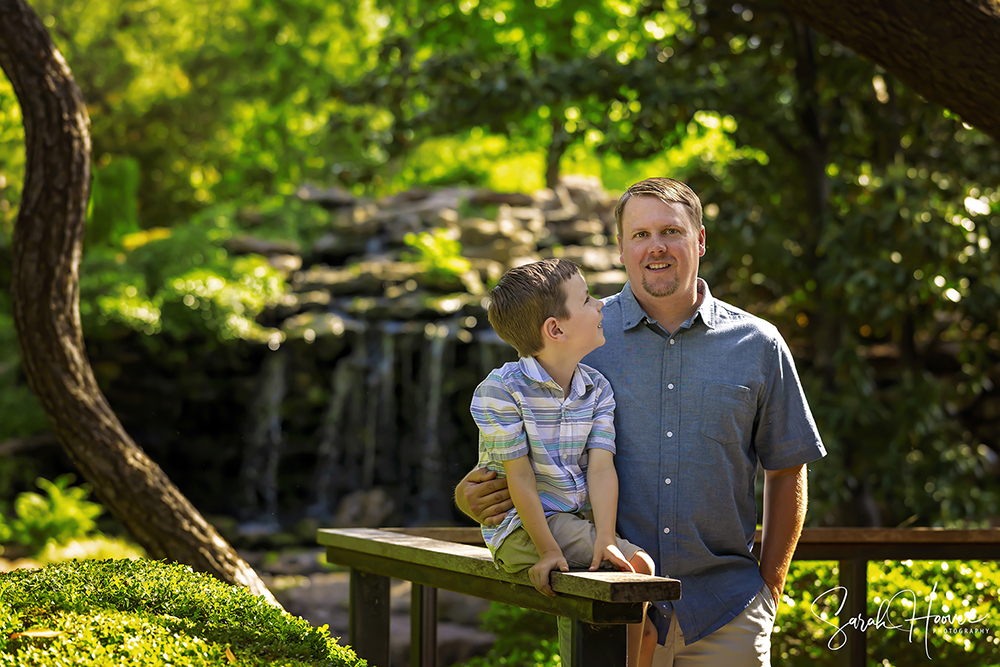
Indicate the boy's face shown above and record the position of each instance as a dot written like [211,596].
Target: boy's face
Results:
[583,326]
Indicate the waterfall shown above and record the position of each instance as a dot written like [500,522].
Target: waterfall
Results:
[328,453]
[263,439]
[431,506]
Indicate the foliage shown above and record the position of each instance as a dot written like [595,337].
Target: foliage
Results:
[525,638]
[438,252]
[149,613]
[62,515]
[806,626]
[177,281]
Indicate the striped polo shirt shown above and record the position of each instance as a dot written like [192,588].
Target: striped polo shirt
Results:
[520,411]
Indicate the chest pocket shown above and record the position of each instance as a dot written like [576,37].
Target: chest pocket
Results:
[727,412]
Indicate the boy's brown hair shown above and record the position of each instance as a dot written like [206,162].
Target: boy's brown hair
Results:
[525,297]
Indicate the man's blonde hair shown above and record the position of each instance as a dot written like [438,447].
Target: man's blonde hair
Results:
[525,297]
[666,190]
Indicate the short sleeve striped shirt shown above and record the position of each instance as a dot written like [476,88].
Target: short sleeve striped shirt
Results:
[520,411]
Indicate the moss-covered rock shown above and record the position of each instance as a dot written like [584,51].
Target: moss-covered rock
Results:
[118,612]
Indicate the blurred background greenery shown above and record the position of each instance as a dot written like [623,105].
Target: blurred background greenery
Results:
[840,205]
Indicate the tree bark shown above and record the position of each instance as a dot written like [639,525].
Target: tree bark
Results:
[47,246]
[946,50]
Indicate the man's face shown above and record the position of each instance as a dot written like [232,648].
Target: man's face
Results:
[660,247]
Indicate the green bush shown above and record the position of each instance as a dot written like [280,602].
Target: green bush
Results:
[149,613]
[62,515]
[525,638]
[805,632]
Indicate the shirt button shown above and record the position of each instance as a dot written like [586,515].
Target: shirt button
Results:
[670,434]
[670,386]
[671,341]
[667,480]
[666,530]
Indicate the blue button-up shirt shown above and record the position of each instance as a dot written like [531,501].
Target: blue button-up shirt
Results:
[697,410]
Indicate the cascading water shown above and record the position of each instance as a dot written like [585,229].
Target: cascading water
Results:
[263,438]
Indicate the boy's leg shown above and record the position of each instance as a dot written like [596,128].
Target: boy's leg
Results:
[641,636]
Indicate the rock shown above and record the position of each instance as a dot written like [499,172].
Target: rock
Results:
[360,220]
[338,246]
[244,245]
[606,283]
[586,192]
[310,326]
[487,197]
[329,198]
[577,231]
[285,263]
[591,258]
[364,509]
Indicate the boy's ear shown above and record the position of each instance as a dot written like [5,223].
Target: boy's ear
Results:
[551,330]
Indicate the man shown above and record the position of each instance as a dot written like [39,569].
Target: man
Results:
[704,393]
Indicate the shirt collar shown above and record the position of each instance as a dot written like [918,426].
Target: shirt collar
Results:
[633,315]
[579,385]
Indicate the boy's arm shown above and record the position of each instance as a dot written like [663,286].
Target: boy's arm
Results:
[602,485]
[524,492]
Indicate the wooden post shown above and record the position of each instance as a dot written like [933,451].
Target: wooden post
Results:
[598,645]
[423,626]
[368,624]
[854,577]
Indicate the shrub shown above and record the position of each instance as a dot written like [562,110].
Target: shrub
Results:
[62,515]
[149,613]
[802,637]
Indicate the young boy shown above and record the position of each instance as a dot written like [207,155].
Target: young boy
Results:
[546,422]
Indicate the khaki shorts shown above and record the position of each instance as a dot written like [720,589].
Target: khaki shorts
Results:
[574,534]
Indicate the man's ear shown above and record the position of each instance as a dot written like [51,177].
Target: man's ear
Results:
[551,330]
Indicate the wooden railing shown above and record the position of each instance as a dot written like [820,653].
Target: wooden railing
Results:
[601,603]
[455,559]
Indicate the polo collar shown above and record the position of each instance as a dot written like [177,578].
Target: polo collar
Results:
[579,385]
[633,315]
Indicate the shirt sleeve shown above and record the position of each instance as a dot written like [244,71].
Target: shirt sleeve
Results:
[501,425]
[787,435]
[602,433]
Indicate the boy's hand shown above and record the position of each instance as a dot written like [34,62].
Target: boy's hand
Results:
[607,550]
[484,497]
[539,572]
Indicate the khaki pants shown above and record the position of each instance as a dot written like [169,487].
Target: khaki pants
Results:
[743,642]
[574,534]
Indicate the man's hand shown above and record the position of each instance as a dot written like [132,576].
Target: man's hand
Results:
[539,572]
[607,550]
[483,497]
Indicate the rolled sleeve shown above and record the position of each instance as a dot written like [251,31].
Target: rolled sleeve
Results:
[501,426]
[787,435]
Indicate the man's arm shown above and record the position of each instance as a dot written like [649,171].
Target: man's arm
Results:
[602,486]
[785,500]
[524,491]
[483,497]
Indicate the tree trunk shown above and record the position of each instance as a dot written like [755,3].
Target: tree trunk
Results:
[943,49]
[47,246]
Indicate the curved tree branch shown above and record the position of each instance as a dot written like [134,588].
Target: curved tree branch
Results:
[946,50]
[47,244]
